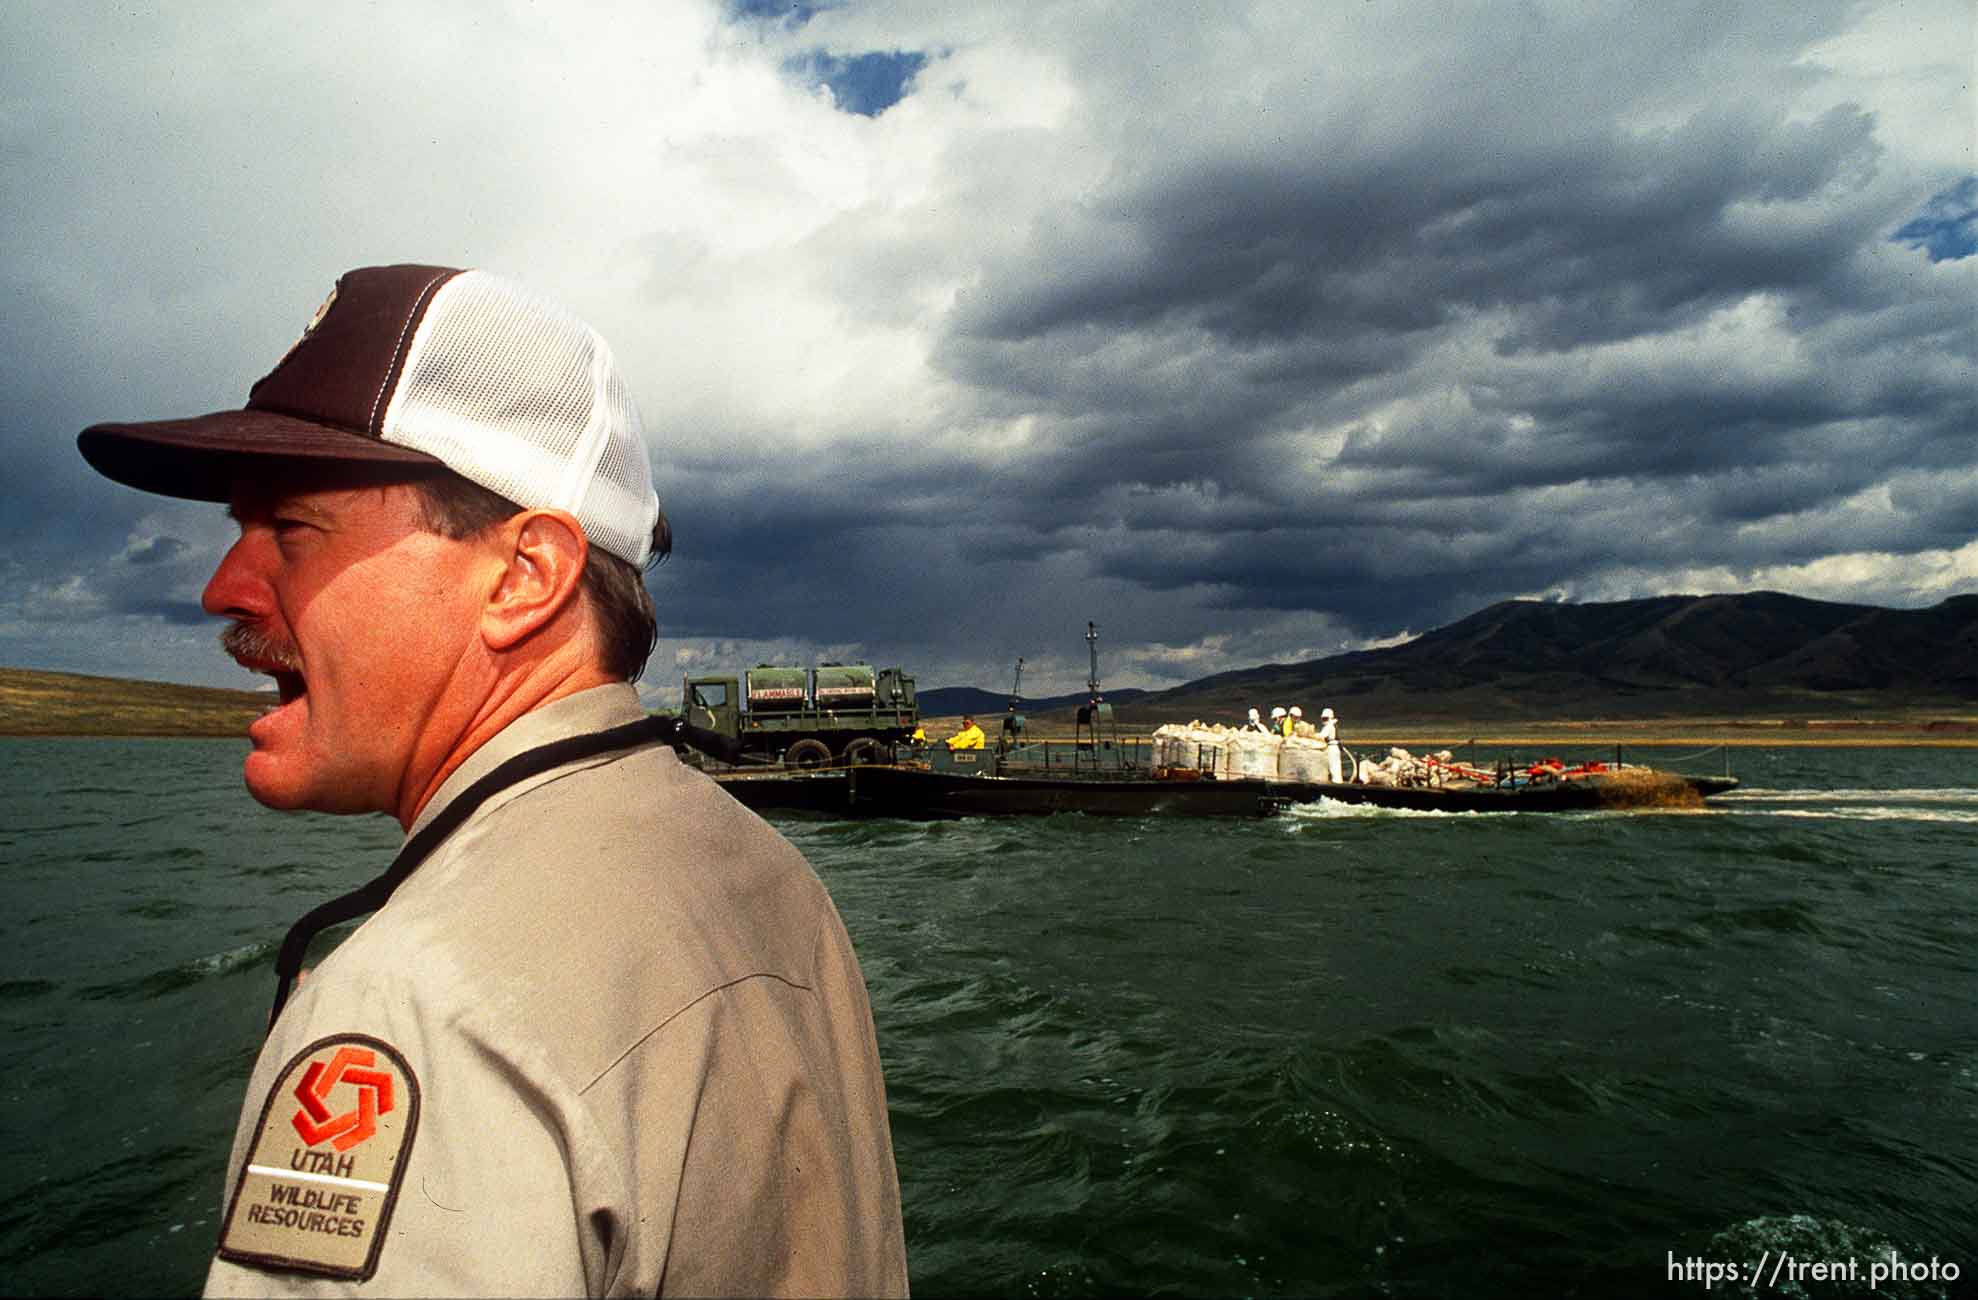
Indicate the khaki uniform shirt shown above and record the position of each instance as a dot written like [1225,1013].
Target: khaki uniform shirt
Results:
[610,1038]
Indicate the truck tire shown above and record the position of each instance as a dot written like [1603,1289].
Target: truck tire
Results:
[808,752]
[863,750]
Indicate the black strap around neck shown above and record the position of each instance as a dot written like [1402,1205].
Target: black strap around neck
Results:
[533,762]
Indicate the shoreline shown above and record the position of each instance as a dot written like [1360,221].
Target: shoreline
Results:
[1606,740]
[36,703]
[1712,733]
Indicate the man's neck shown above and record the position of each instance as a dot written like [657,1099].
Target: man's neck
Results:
[504,705]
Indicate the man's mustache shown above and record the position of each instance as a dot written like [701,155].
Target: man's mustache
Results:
[253,648]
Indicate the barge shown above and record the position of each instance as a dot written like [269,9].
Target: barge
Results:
[943,785]
[1196,770]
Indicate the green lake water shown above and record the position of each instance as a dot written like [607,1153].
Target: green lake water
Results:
[1339,1052]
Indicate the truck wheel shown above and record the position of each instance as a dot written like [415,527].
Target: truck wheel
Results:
[863,750]
[808,752]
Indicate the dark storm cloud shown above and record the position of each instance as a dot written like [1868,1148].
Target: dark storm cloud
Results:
[1615,228]
[1608,238]
[1176,330]
[45,400]
[1248,330]
[838,557]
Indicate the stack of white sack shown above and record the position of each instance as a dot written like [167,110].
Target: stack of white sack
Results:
[1232,753]
[1170,748]
[1302,759]
[1249,754]
[1396,769]
[1192,747]
[1402,768]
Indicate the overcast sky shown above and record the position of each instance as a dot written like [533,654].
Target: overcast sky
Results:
[1253,332]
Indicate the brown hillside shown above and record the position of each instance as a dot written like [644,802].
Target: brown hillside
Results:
[34,703]
[1759,654]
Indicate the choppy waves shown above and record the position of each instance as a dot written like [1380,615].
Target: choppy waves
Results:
[1348,1051]
[154,983]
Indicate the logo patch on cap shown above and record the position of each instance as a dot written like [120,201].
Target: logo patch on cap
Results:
[321,312]
[330,1151]
[310,328]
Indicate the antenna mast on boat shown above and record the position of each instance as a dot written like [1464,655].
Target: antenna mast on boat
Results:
[1012,720]
[1092,643]
[1095,711]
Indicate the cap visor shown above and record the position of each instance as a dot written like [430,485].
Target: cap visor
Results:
[199,458]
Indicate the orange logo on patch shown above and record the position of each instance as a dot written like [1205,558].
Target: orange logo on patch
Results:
[315,1122]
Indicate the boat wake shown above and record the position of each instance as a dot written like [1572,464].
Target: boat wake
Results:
[1322,809]
[1957,806]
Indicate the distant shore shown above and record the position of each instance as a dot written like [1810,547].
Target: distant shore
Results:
[36,703]
[1767,733]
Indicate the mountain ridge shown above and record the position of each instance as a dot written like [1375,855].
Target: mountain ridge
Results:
[1661,656]
[1755,654]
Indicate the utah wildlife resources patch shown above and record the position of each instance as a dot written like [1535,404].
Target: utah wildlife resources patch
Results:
[322,1177]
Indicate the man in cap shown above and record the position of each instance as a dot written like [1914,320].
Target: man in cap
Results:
[606,1032]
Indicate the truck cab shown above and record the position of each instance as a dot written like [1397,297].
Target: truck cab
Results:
[714,703]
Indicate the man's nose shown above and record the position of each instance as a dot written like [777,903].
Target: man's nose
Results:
[237,589]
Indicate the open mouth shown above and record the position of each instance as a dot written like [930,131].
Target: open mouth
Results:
[259,652]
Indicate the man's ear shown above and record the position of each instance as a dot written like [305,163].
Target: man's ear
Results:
[543,553]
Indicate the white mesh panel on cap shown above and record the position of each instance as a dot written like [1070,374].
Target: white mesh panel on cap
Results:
[518,395]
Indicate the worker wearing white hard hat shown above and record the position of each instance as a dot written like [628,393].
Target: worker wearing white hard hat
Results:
[1329,742]
[1256,723]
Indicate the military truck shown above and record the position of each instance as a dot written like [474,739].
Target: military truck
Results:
[807,717]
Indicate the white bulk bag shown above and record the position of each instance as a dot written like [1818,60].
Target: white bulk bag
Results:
[1302,760]
[1250,754]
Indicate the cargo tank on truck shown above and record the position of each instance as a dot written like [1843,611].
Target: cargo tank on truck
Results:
[807,717]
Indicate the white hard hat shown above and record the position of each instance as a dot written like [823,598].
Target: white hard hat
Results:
[1325,713]
[1277,713]
[1253,713]
[1297,712]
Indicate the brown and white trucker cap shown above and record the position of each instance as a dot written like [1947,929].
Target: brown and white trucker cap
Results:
[425,365]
